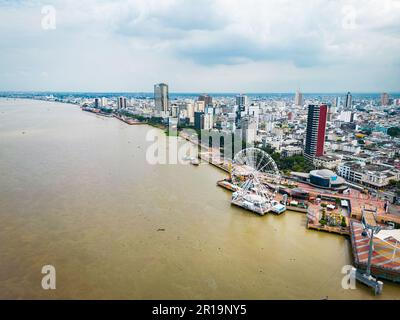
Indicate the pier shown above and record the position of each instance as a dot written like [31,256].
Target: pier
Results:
[385,260]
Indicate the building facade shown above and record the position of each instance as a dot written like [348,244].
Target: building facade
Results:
[315,132]
[161,97]
[298,99]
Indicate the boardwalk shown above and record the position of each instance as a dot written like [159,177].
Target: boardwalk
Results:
[385,259]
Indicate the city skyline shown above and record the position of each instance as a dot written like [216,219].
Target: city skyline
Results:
[238,47]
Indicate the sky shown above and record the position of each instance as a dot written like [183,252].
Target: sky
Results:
[200,46]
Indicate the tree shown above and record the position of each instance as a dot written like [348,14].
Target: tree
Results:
[394,131]
[323,218]
[343,223]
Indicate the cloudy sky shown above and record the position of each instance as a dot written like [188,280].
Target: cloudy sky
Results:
[200,45]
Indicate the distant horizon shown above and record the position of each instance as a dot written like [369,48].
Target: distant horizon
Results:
[197,92]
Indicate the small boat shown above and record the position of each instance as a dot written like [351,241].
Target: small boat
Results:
[277,207]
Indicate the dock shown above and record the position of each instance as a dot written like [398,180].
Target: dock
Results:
[243,204]
[336,230]
[385,263]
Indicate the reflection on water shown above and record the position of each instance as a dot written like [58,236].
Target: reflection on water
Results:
[76,192]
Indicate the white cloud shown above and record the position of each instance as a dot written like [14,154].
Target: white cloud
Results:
[214,45]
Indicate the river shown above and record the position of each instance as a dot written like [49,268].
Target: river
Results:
[77,192]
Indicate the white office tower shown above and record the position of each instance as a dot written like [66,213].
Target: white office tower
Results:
[333,109]
[208,121]
[104,102]
[298,99]
[199,106]
[190,111]
[336,103]
[349,101]
[249,129]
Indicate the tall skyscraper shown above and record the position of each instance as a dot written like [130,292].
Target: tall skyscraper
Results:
[199,120]
[208,121]
[349,101]
[121,103]
[97,103]
[161,97]
[298,99]
[384,99]
[208,101]
[249,129]
[315,133]
[190,111]
[241,100]
[336,103]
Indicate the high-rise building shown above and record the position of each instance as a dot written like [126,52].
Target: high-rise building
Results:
[249,129]
[97,103]
[199,120]
[208,121]
[121,103]
[161,97]
[200,106]
[315,133]
[208,101]
[242,103]
[298,99]
[349,101]
[384,99]
[190,111]
[241,100]
[336,103]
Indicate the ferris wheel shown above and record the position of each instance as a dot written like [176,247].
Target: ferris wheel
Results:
[256,162]
[251,167]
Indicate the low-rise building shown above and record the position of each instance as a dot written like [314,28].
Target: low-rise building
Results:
[327,161]
[372,175]
[290,151]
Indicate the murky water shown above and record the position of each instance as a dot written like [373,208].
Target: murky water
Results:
[77,192]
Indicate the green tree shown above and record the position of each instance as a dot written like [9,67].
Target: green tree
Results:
[343,223]
[394,131]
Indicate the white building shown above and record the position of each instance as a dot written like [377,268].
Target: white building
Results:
[375,176]
[249,129]
[208,121]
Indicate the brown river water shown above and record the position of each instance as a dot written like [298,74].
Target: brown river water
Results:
[77,192]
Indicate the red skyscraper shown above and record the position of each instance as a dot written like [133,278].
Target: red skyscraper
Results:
[315,134]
